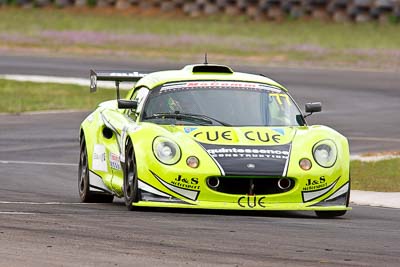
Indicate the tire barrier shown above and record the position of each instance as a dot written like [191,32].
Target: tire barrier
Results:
[276,10]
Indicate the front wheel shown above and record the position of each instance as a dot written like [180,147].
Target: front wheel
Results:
[131,191]
[330,214]
[85,194]
[334,213]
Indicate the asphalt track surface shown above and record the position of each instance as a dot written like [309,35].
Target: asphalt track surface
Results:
[42,222]
[361,105]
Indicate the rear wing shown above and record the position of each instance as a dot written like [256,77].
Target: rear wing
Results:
[117,77]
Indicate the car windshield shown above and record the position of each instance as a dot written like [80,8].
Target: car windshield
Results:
[220,103]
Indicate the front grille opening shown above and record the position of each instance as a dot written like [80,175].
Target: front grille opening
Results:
[250,185]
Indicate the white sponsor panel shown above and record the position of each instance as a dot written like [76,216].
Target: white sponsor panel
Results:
[152,190]
[99,162]
[96,183]
[340,192]
[192,195]
[308,196]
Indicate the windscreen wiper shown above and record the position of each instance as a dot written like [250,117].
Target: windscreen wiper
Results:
[185,116]
[207,117]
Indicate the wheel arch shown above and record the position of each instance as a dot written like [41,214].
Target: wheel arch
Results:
[89,144]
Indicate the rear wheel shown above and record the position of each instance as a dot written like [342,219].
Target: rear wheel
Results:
[131,191]
[83,180]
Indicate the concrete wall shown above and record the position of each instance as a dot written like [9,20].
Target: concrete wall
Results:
[334,10]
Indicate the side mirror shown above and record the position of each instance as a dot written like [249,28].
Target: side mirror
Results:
[127,104]
[313,107]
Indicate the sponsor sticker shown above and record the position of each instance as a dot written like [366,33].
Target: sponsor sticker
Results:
[188,183]
[229,136]
[182,191]
[189,129]
[114,161]
[218,84]
[233,152]
[251,201]
[99,158]
[315,184]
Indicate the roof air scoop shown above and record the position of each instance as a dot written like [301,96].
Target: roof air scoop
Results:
[210,68]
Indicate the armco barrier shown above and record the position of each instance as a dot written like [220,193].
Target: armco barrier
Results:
[336,10]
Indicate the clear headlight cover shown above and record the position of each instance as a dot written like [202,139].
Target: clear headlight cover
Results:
[325,153]
[166,150]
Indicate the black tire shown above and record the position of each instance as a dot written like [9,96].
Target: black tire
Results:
[330,214]
[335,213]
[85,194]
[131,190]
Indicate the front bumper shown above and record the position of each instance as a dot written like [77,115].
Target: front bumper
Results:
[162,192]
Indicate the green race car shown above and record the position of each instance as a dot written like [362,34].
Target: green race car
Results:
[211,138]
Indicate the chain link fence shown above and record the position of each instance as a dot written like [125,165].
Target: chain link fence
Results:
[275,10]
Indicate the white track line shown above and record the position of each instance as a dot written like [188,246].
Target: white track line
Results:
[44,203]
[45,79]
[373,158]
[374,139]
[37,163]
[16,213]
[62,80]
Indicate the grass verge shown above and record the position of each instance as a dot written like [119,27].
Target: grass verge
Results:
[381,176]
[19,97]
[131,34]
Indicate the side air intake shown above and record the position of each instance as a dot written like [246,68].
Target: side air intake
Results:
[212,69]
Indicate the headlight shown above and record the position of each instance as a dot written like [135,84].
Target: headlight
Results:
[325,153]
[166,151]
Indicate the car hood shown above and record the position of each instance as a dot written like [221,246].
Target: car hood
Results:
[244,150]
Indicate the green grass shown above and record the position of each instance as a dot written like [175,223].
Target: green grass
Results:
[19,97]
[382,176]
[179,37]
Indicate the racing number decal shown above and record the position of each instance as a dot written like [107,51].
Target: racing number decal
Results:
[278,98]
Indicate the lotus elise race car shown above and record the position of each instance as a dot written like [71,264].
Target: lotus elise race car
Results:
[211,138]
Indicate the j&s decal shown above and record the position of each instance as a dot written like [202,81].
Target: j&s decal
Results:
[189,183]
[315,184]
[314,194]
[189,193]
[251,202]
